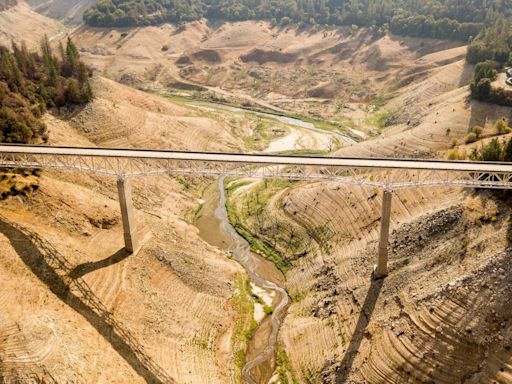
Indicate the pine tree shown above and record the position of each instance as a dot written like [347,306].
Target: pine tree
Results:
[46,51]
[29,82]
[72,57]
[73,92]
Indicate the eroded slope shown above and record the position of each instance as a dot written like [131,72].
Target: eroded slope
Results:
[72,299]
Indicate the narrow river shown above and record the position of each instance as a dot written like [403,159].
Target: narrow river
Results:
[284,119]
[215,228]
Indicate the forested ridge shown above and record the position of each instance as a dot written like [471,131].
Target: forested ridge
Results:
[491,50]
[31,82]
[453,19]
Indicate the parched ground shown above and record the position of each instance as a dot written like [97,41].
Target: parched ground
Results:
[72,299]
[441,316]
[67,11]
[330,72]
[443,313]
[21,23]
[119,116]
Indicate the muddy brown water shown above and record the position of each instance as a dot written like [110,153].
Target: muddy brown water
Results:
[215,228]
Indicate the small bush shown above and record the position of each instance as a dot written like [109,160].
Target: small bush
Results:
[477,130]
[470,138]
[285,21]
[165,48]
[455,154]
[501,126]
[492,151]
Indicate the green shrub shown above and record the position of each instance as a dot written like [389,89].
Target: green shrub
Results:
[285,21]
[477,130]
[470,138]
[501,126]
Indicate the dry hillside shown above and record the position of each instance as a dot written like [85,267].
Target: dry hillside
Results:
[21,23]
[73,299]
[67,11]
[169,313]
[442,316]
[290,69]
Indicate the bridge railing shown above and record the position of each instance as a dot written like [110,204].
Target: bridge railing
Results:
[386,174]
[377,177]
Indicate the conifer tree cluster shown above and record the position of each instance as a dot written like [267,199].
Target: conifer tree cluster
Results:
[491,51]
[494,150]
[447,19]
[32,82]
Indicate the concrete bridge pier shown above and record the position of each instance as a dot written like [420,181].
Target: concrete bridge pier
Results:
[127,215]
[381,269]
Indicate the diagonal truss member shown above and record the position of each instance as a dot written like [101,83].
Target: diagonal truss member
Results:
[385,174]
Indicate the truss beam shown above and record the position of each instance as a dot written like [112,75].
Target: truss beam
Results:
[386,174]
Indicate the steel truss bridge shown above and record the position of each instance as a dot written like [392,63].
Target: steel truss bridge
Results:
[385,174]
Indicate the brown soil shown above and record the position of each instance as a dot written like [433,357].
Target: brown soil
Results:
[21,23]
[271,67]
[68,11]
[420,324]
[441,316]
[75,306]
[261,56]
[210,56]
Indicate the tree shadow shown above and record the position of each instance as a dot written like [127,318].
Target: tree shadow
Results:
[53,270]
[357,337]
[90,266]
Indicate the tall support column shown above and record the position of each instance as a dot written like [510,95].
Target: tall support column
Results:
[381,269]
[127,214]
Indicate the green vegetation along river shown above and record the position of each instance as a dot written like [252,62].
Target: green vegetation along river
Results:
[215,228]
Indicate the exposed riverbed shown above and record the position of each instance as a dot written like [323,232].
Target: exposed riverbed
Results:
[291,121]
[267,281]
[215,228]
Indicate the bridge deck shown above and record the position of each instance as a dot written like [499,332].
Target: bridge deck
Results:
[375,163]
[388,174]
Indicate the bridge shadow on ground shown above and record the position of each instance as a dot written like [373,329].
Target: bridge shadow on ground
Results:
[357,337]
[53,270]
[85,268]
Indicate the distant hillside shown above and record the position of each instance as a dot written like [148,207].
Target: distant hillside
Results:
[67,11]
[6,4]
[452,19]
